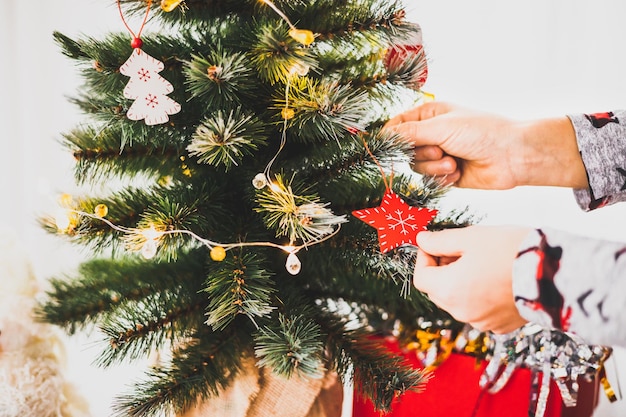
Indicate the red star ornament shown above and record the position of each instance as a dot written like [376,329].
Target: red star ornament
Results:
[397,223]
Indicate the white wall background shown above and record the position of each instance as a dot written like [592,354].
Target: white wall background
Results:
[535,58]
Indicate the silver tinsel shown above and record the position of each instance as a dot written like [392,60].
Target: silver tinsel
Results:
[554,354]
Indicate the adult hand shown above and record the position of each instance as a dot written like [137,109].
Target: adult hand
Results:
[468,273]
[474,149]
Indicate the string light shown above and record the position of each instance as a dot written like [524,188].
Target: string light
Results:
[259,181]
[299,69]
[279,12]
[150,238]
[304,36]
[146,240]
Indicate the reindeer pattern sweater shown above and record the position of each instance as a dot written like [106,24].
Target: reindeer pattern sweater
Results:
[576,283]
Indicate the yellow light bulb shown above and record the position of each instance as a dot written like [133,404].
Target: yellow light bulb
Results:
[218,253]
[169,5]
[304,36]
[65,200]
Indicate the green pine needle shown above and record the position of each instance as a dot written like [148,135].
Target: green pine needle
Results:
[292,346]
[238,285]
[224,139]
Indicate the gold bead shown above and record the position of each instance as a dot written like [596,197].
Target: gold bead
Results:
[287,113]
[169,5]
[101,210]
[304,36]
[165,181]
[218,253]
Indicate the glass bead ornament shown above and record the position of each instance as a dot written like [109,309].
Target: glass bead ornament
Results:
[149,249]
[259,181]
[293,264]
[300,69]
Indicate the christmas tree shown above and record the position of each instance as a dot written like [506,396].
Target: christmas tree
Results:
[242,174]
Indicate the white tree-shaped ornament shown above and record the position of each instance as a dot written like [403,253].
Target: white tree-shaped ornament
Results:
[148,89]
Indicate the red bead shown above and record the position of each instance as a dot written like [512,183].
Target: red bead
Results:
[136,43]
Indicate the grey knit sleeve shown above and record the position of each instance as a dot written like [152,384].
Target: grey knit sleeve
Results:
[573,283]
[601,139]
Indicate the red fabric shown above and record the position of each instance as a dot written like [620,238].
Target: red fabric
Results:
[453,390]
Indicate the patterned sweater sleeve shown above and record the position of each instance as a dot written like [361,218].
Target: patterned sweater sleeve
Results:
[601,139]
[576,283]
[573,283]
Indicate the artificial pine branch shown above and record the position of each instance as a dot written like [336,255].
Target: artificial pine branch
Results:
[226,139]
[380,375]
[239,285]
[220,77]
[257,101]
[292,345]
[102,285]
[324,110]
[274,53]
[197,371]
[101,155]
[136,329]
[347,162]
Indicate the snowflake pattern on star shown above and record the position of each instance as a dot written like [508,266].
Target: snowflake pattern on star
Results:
[396,222]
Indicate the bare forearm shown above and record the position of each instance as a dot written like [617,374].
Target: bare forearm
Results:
[549,155]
